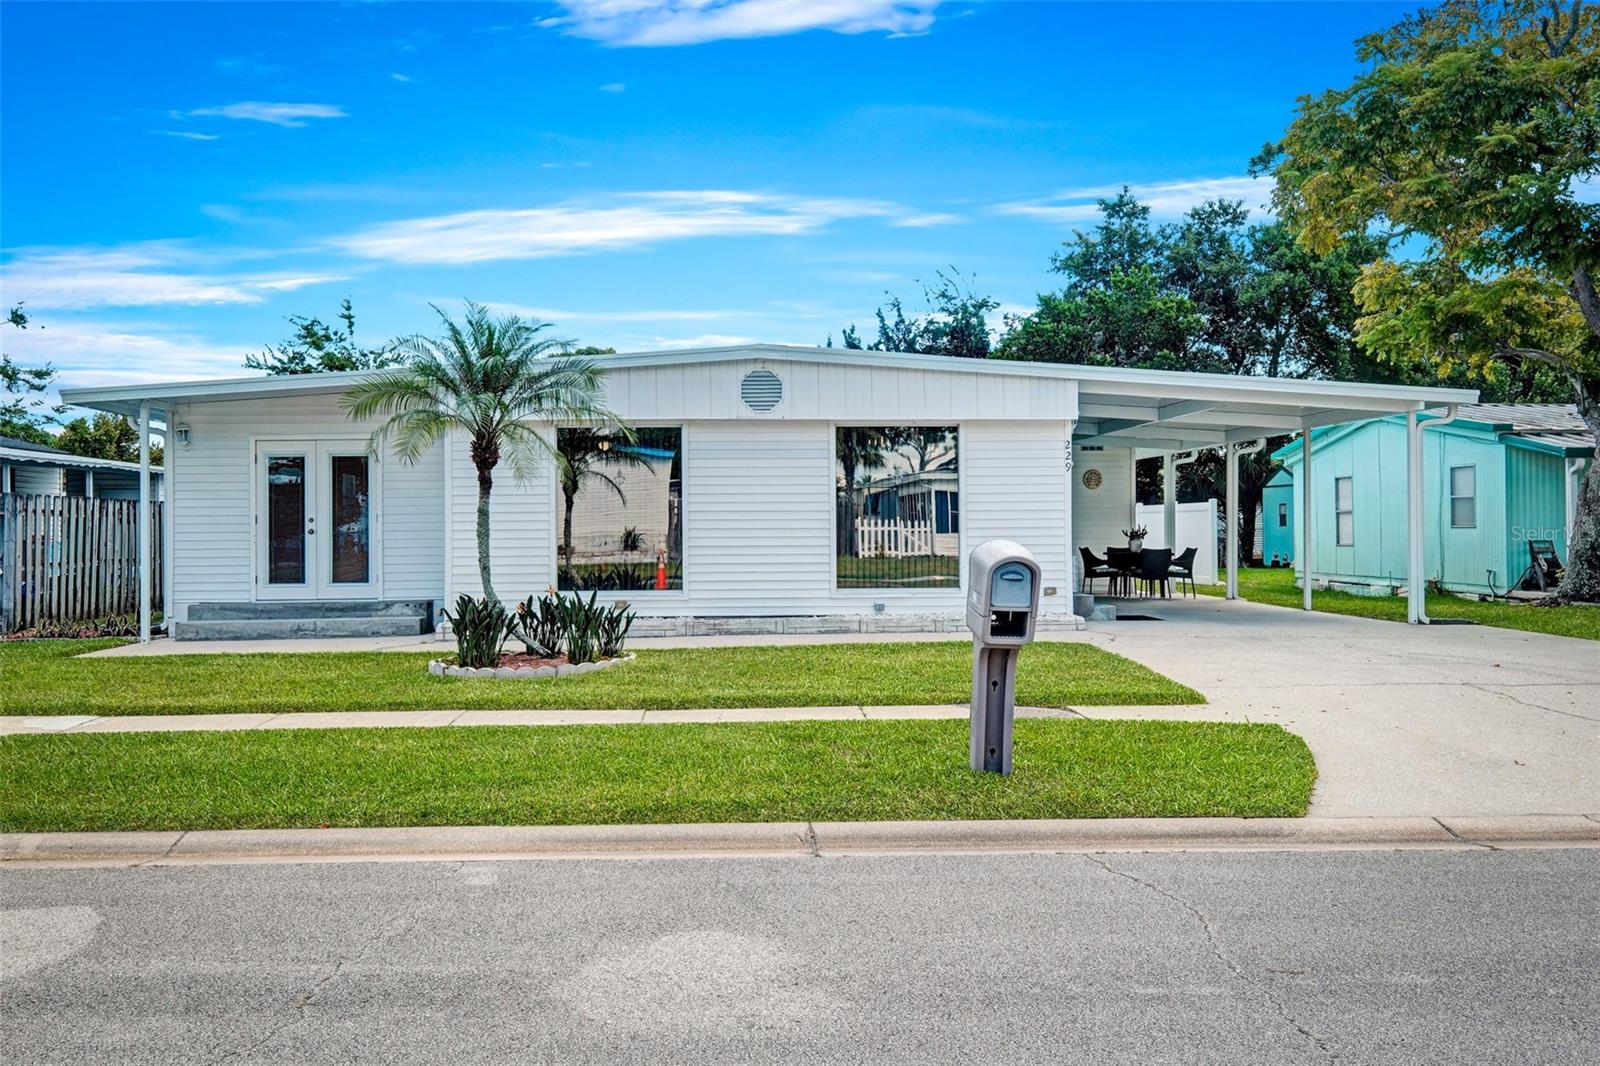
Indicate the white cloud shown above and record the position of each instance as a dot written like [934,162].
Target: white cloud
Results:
[645,23]
[289,115]
[705,340]
[400,77]
[1169,199]
[550,314]
[135,275]
[113,353]
[930,219]
[614,87]
[630,220]
[188,135]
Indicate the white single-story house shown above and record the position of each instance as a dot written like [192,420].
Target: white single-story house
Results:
[280,518]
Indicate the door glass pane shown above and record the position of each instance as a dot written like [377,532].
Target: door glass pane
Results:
[351,540]
[286,519]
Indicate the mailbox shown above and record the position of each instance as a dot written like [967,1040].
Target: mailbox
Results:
[1002,602]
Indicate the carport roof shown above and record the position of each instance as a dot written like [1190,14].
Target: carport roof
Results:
[1153,410]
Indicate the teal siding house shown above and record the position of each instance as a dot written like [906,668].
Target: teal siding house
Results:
[1277,517]
[1495,477]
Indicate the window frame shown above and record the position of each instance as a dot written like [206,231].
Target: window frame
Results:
[1452,496]
[614,596]
[1339,540]
[868,595]
[1283,516]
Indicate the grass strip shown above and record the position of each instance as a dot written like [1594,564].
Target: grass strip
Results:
[1277,588]
[46,677]
[590,775]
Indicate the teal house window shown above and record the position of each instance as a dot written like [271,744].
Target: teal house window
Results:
[1463,497]
[1344,511]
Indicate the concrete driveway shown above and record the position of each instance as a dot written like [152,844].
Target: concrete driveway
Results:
[1402,719]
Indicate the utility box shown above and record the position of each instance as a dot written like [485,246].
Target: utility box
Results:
[1002,607]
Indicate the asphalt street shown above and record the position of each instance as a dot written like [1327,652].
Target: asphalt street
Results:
[1455,956]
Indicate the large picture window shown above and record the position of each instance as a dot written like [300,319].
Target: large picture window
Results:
[621,524]
[897,507]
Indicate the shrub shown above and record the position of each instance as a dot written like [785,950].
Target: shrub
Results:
[584,629]
[481,628]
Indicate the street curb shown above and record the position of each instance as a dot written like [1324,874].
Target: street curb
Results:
[793,839]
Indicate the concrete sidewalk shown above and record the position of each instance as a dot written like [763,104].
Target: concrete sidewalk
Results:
[183,723]
[793,839]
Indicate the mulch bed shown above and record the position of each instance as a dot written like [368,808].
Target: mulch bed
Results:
[522,658]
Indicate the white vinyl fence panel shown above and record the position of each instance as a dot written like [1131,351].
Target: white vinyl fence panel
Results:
[1198,527]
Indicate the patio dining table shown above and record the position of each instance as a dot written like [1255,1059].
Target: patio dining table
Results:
[1129,565]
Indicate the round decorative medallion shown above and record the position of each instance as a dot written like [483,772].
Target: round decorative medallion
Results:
[1092,479]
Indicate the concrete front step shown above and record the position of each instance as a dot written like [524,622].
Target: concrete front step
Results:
[309,609]
[291,628]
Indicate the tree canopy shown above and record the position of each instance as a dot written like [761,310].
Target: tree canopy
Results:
[24,412]
[315,346]
[955,324]
[1468,148]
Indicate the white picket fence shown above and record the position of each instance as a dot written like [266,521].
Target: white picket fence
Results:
[889,538]
[71,558]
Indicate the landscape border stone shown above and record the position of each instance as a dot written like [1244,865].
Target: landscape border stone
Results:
[441,668]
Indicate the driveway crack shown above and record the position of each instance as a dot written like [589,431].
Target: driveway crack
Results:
[1533,706]
[1320,1043]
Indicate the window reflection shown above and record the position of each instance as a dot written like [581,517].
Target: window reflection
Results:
[622,510]
[898,510]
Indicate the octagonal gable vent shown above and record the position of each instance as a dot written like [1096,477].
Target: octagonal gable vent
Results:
[761,390]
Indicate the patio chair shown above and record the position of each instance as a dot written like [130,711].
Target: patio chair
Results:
[1155,569]
[1125,565]
[1093,567]
[1183,569]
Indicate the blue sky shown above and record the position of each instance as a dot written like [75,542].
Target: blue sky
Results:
[175,179]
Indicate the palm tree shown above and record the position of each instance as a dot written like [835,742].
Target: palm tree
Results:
[498,381]
[585,452]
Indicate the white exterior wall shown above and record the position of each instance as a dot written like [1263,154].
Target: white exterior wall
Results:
[522,529]
[1100,515]
[213,499]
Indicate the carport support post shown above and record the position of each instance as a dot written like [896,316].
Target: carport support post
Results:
[1231,466]
[1169,500]
[1306,511]
[1415,590]
[144,522]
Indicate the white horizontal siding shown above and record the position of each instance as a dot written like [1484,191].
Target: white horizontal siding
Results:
[883,395]
[214,482]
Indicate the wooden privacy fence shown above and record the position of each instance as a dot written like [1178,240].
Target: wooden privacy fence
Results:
[71,558]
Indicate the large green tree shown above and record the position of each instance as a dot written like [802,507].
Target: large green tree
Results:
[315,346]
[1469,145]
[105,436]
[500,382]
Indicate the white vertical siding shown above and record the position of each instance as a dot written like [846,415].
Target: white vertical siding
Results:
[521,528]
[212,536]
[758,518]
[1100,515]
[1014,486]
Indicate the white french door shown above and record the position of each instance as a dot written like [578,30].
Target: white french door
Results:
[316,520]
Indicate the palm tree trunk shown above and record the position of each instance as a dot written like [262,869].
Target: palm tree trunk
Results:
[1581,584]
[568,499]
[485,486]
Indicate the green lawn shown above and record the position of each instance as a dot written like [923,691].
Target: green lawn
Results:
[585,775]
[1277,587]
[46,677]
[908,571]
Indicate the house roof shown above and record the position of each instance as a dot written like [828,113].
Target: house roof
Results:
[1549,427]
[13,450]
[1147,409]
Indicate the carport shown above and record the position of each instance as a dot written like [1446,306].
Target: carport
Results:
[1151,413]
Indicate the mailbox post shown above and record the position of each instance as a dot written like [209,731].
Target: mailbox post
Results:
[1002,601]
